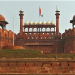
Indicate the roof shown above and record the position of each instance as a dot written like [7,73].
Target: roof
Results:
[4,22]
[39,44]
[2,18]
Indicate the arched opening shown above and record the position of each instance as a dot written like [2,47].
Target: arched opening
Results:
[52,29]
[47,29]
[35,30]
[0,27]
[30,29]
[26,29]
[43,29]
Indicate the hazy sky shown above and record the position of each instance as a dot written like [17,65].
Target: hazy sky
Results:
[31,12]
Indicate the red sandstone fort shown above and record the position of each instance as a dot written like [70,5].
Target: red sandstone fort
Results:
[46,41]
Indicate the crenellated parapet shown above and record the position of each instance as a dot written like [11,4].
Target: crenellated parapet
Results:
[67,33]
[6,33]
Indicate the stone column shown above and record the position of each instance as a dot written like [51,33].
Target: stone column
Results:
[24,29]
[41,29]
[45,29]
[21,22]
[50,29]
[28,29]
[32,29]
[37,29]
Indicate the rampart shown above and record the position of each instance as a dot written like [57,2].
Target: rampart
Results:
[68,41]
[6,38]
[67,33]
[37,66]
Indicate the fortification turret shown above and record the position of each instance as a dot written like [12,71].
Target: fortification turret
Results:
[57,22]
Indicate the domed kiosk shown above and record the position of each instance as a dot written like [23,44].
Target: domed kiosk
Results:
[3,22]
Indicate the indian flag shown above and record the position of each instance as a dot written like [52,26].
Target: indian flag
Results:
[40,12]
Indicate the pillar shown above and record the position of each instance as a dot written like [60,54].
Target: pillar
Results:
[57,22]
[54,29]
[45,29]
[28,29]
[32,29]
[21,21]
[37,29]
[24,29]
[50,29]
[41,29]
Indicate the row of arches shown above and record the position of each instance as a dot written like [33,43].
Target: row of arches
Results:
[39,36]
[37,29]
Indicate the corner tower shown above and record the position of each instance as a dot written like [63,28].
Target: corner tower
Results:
[21,21]
[57,22]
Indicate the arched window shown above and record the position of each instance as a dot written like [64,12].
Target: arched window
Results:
[41,37]
[32,37]
[28,37]
[36,37]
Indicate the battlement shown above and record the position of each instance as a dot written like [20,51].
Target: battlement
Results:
[6,33]
[67,33]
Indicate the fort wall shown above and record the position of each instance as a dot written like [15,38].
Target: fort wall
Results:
[6,38]
[36,66]
[68,38]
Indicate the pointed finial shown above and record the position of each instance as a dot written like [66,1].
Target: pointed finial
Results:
[56,7]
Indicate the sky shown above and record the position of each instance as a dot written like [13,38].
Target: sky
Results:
[9,8]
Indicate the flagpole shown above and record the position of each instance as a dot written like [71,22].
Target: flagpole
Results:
[39,14]
[13,30]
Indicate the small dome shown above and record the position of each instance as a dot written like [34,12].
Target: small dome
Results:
[21,10]
[39,22]
[52,23]
[43,22]
[26,23]
[57,10]
[30,22]
[35,22]
[48,23]
[74,17]
[2,18]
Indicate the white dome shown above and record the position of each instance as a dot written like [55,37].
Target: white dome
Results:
[35,23]
[43,22]
[52,23]
[39,22]
[21,10]
[57,10]
[30,22]
[26,23]
[48,23]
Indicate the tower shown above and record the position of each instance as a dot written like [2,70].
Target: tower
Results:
[21,21]
[73,23]
[57,22]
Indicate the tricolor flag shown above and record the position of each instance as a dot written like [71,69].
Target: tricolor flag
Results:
[40,12]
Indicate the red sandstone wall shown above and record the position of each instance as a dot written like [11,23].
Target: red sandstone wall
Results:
[38,67]
[68,41]
[6,38]
[13,47]
[67,33]
[36,36]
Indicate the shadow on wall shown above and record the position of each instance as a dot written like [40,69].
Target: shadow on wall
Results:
[13,47]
